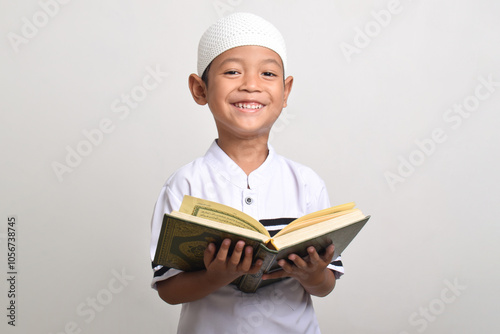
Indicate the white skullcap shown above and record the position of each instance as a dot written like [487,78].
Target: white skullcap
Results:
[238,29]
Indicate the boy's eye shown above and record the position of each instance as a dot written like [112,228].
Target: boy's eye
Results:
[269,74]
[232,72]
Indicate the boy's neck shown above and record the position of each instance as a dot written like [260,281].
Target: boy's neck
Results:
[248,154]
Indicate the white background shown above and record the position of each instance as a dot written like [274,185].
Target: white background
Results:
[352,117]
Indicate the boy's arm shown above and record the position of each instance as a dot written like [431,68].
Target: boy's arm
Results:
[220,271]
[312,273]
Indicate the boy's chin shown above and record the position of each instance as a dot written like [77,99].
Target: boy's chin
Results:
[244,136]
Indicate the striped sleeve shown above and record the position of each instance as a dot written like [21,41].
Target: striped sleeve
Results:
[166,202]
[161,273]
[337,267]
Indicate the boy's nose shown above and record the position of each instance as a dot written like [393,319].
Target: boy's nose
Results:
[250,83]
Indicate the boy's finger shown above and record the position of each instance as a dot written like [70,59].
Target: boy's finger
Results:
[224,249]
[256,267]
[246,264]
[275,274]
[298,261]
[287,267]
[208,255]
[313,255]
[237,251]
[328,256]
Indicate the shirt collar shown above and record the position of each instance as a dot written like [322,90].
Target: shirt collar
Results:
[230,171]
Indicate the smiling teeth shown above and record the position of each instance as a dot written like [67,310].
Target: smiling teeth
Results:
[248,106]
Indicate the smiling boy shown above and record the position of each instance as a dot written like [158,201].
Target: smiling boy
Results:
[241,76]
[246,93]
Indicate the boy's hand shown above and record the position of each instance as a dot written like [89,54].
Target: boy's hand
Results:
[310,271]
[222,270]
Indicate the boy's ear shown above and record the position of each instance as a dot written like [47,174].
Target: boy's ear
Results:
[198,89]
[288,89]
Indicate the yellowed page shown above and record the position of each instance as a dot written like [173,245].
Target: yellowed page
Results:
[327,211]
[298,224]
[236,230]
[318,216]
[220,213]
[296,241]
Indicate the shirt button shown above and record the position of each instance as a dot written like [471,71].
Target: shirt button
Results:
[249,200]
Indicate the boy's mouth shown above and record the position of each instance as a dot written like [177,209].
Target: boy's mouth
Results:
[248,105]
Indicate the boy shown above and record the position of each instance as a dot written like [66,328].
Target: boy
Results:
[241,76]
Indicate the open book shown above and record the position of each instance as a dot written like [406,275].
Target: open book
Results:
[186,233]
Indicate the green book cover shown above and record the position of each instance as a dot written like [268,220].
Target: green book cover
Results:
[182,242]
[341,238]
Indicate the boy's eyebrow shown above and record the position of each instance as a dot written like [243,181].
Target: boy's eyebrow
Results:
[272,60]
[240,60]
[229,60]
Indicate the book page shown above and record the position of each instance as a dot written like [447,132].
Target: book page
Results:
[220,213]
[325,212]
[183,239]
[329,227]
[315,217]
[298,224]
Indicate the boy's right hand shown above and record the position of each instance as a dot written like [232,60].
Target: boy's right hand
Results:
[222,269]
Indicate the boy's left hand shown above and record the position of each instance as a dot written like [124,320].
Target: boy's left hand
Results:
[310,271]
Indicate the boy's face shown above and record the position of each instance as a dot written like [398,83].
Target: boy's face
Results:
[246,91]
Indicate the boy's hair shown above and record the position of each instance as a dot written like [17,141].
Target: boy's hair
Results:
[235,30]
[204,76]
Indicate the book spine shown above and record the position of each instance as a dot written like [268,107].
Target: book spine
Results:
[251,282]
[164,244]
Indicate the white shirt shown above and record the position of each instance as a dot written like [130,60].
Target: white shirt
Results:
[279,188]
